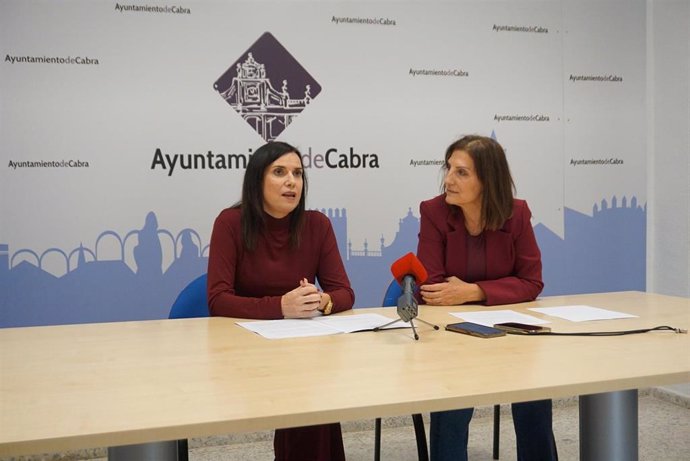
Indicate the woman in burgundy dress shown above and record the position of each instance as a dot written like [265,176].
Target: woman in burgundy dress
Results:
[267,252]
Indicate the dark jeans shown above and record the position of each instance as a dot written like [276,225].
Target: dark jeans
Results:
[449,433]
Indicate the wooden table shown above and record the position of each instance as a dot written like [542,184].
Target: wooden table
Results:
[92,385]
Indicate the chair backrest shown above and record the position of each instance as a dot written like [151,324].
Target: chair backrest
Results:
[393,292]
[192,301]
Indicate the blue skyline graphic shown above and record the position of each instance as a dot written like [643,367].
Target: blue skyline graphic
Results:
[602,252]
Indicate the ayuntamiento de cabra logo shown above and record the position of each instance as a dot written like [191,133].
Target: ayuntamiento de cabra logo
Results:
[267,87]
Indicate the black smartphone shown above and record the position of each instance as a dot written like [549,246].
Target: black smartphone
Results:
[523,328]
[474,329]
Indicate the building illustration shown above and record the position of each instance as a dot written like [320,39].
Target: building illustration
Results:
[126,278]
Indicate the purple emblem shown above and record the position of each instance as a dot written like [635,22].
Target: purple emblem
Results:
[267,87]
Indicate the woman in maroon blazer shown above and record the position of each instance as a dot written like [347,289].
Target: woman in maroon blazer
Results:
[477,243]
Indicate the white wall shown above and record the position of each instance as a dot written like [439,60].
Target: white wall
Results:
[669,156]
[668,238]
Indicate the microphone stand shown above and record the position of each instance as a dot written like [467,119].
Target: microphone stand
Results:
[435,327]
[414,330]
[408,308]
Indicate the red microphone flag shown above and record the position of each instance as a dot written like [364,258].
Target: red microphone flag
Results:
[409,265]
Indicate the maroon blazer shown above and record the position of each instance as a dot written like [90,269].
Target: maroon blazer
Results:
[513,259]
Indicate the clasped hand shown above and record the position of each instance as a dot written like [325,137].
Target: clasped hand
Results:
[451,292]
[302,302]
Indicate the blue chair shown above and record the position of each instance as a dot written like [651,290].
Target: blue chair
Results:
[391,299]
[191,302]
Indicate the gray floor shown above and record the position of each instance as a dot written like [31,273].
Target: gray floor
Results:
[664,434]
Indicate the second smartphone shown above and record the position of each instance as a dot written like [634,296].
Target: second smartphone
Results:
[522,328]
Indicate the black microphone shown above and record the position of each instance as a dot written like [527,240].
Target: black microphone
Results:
[407,304]
[408,271]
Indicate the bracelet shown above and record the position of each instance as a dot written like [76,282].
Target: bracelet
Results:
[327,308]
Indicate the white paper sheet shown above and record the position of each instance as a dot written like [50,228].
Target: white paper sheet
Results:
[288,328]
[319,326]
[490,318]
[581,313]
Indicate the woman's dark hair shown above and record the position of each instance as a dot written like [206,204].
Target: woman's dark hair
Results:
[493,172]
[252,202]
